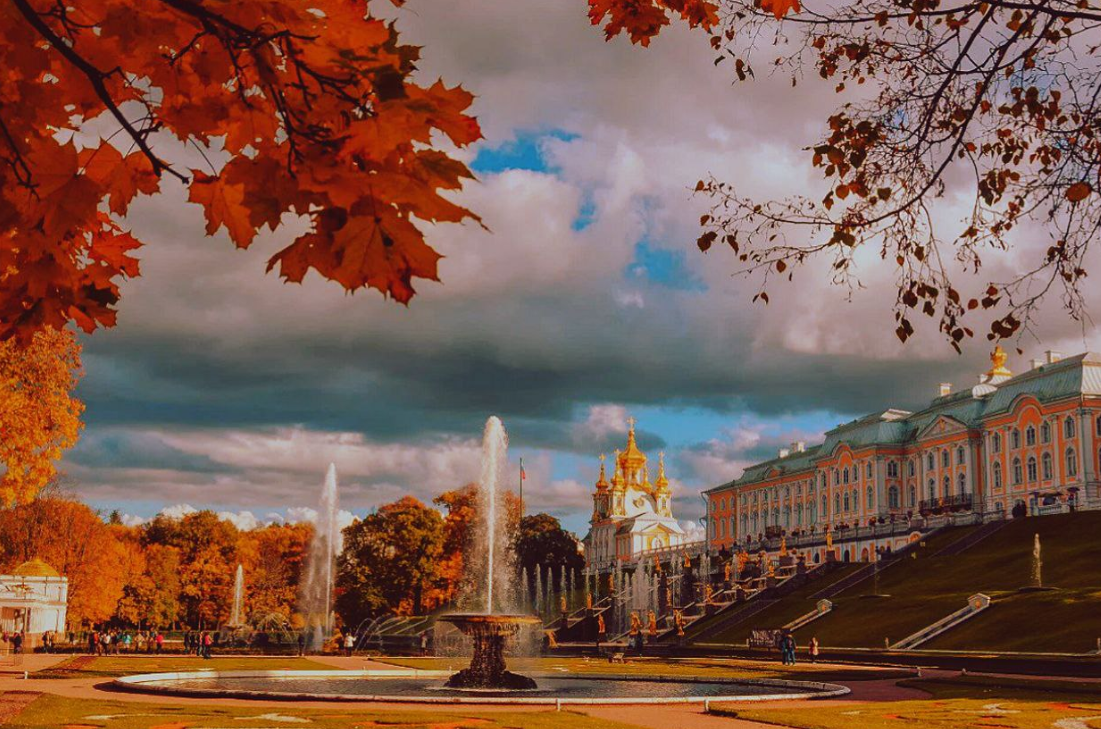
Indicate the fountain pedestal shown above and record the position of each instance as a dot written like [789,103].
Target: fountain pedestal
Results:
[487,667]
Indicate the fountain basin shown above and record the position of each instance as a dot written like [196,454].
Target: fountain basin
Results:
[429,687]
[487,667]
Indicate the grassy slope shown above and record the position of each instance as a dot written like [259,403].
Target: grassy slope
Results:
[925,589]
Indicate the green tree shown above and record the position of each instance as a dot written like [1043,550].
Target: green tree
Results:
[390,562]
[541,540]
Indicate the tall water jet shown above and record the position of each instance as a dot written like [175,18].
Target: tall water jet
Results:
[235,617]
[316,601]
[1037,564]
[494,557]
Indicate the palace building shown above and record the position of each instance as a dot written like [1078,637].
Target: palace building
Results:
[631,515]
[1012,445]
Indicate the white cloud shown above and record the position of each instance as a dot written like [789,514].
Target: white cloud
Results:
[178,511]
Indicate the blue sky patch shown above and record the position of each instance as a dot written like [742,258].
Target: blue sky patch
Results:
[664,267]
[525,151]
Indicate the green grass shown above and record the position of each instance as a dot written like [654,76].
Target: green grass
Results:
[927,588]
[955,703]
[701,667]
[51,712]
[112,666]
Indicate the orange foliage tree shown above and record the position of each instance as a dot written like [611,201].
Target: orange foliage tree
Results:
[39,417]
[306,109]
[74,540]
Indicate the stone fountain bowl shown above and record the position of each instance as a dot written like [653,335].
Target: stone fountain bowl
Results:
[487,667]
[489,623]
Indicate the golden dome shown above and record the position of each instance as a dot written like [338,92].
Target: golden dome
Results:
[35,568]
[602,482]
[632,459]
[618,482]
[662,483]
[997,361]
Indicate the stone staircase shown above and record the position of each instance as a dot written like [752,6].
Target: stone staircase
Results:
[975,605]
[868,571]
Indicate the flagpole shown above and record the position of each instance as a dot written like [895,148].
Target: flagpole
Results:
[521,487]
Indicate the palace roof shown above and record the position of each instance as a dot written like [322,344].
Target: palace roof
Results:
[994,395]
[35,568]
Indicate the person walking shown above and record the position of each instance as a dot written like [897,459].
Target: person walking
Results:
[350,644]
[159,640]
[791,649]
[208,643]
[302,643]
[813,649]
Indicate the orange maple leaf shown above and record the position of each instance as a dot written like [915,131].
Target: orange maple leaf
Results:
[780,8]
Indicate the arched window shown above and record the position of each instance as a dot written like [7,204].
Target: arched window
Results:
[997,475]
[836,477]
[913,496]
[871,498]
[1015,439]
[932,489]
[912,466]
[1097,425]
[856,500]
[930,462]
[1030,436]
[813,508]
[1068,428]
[962,485]
[836,504]
[1045,465]
[996,443]
[1031,469]
[1045,432]
[947,486]
[799,515]
[1072,463]
[745,523]
[961,456]
[787,516]
[1018,472]
[846,501]
[846,476]
[892,497]
[945,458]
[825,507]
[868,469]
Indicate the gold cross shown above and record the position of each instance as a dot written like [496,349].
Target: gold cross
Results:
[631,422]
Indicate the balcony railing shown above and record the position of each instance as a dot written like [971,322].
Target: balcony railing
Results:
[960,502]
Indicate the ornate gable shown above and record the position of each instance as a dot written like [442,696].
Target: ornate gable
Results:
[943,425]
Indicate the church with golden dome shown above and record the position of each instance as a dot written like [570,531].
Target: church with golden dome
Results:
[631,515]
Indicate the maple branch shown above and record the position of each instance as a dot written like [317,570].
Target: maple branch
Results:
[18,162]
[95,78]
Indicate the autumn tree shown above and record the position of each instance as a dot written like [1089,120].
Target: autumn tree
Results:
[296,109]
[460,524]
[73,539]
[390,560]
[39,416]
[992,105]
[272,557]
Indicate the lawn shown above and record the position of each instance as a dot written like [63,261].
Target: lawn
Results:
[973,701]
[927,588]
[50,712]
[703,667]
[112,666]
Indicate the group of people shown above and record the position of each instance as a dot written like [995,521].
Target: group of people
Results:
[14,641]
[785,643]
[114,642]
[199,643]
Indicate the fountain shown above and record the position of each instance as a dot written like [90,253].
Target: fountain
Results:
[493,616]
[235,616]
[1037,564]
[492,553]
[316,600]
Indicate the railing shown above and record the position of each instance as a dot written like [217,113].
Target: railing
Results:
[888,529]
[960,502]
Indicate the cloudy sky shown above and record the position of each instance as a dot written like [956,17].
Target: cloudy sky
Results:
[223,388]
